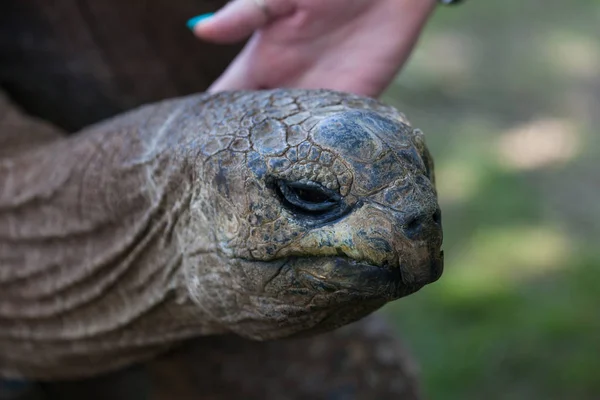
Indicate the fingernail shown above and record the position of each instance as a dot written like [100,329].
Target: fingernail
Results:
[192,22]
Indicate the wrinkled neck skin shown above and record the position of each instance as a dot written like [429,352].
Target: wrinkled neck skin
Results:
[91,265]
[165,223]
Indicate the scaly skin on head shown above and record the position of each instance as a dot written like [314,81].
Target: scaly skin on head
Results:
[288,266]
[268,214]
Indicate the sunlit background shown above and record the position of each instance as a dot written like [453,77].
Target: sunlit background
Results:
[508,95]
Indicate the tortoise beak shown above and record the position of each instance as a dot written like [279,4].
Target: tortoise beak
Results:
[344,275]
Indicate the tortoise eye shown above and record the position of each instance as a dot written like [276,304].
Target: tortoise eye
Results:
[308,197]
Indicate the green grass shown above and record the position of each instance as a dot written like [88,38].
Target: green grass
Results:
[515,315]
[537,339]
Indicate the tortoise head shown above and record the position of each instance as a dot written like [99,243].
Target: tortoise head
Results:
[320,218]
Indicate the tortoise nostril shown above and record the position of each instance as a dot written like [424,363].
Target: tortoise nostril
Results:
[416,224]
[413,226]
[437,217]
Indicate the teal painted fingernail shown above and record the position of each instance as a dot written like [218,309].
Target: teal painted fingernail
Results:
[193,21]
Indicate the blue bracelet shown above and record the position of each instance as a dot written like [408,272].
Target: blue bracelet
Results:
[450,2]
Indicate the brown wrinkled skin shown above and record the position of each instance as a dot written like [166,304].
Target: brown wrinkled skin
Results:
[167,223]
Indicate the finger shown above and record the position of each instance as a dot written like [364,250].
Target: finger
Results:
[237,20]
[238,75]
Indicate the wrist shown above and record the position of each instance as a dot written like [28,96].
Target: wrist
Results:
[450,2]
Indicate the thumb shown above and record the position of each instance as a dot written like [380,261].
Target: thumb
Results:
[237,20]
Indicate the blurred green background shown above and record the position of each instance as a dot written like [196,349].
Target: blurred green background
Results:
[508,95]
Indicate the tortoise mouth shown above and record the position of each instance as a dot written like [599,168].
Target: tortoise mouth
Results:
[342,274]
[297,295]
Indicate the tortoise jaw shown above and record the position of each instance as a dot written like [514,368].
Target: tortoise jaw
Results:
[341,274]
[297,296]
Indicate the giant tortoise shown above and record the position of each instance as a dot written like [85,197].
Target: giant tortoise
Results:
[199,246]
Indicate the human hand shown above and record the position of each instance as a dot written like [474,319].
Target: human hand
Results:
[355,46]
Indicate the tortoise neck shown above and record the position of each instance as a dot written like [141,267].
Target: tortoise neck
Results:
[89,253]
